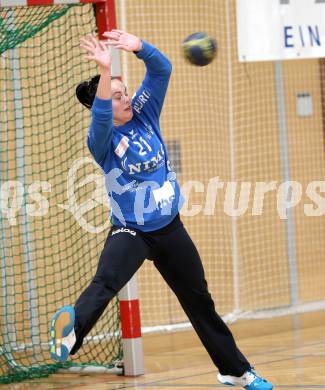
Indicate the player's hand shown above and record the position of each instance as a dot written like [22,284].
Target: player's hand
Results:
[97,51]
[123,40]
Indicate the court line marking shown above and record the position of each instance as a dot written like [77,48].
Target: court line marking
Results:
[271,350]
[159,384]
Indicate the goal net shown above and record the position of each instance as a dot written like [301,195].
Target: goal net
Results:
[53,219]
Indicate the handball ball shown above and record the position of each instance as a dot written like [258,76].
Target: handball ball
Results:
[199,48]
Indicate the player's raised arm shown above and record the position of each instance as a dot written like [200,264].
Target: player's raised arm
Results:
[100,131]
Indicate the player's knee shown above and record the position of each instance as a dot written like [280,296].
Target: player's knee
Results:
[200,296]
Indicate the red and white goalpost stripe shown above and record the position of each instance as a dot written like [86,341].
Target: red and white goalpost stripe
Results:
[128,296]
[131,329]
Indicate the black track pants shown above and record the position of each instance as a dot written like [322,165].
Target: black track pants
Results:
[176,258]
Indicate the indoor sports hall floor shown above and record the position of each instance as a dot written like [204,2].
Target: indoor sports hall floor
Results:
[289,351]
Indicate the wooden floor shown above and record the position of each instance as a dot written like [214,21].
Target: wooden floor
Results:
[289,351]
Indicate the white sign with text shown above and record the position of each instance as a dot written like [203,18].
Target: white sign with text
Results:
[269,30]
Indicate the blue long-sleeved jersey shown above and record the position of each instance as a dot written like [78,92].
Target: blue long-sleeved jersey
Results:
[142,189]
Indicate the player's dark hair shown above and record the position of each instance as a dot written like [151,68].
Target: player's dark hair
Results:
[86,91]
